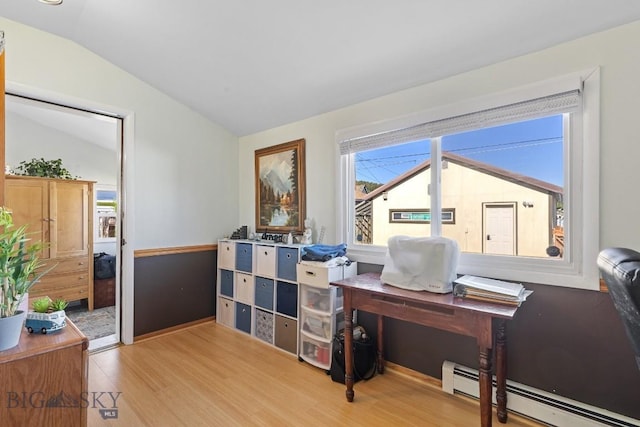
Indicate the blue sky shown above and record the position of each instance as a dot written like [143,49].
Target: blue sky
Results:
[533,148]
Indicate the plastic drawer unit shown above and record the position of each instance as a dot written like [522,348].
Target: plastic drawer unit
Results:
[321,310]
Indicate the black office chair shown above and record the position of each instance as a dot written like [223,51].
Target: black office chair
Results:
[620,269]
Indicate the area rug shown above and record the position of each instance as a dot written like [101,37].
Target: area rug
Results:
[98,323]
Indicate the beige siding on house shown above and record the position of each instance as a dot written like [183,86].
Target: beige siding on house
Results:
[466,190]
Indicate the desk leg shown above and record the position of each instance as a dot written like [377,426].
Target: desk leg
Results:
[380,344]
[348,344]
[485,387]
[501,372]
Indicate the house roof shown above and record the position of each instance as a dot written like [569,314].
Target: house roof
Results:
[523,180]
[255,65]
[361,192]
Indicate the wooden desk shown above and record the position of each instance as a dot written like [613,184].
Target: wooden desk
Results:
[44,379]
[480,320]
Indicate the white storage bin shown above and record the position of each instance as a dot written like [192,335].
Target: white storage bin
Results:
[318,276]
[265,261]
[225,313]
[226,255]
[244,288]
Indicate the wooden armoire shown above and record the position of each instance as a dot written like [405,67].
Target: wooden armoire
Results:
[59,213]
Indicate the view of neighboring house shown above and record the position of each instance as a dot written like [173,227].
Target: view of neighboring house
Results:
[484,208]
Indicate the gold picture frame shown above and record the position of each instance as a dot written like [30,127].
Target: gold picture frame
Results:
[280,188]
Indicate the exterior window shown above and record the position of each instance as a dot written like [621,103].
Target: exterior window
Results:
[448,216]
[507,185]
[508,181]
[106,215]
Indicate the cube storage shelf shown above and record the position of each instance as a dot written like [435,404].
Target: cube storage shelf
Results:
[258,290]
[321,310]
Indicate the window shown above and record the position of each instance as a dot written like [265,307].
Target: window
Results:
[106,214]
[517,173]
[420,216]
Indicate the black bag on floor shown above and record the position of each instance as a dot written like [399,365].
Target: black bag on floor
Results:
[104,266]
[364,357]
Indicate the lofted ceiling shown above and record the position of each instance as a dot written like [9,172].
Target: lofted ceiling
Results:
[252,65]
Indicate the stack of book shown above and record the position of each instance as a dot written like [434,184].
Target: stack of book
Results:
[491,290]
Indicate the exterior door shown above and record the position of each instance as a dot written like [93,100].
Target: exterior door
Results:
[499,228]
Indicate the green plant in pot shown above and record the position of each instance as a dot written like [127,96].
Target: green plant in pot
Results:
[47,315]
[44,168]
[19,265]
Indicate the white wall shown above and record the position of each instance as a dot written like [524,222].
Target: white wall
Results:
[185,185]
[616,51]
[25,139]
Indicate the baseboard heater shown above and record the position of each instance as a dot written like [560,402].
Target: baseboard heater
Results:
[539,405]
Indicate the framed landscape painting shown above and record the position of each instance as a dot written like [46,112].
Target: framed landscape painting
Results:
[280,188]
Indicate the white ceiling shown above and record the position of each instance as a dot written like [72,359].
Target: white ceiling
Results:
[250,65]
[93,128]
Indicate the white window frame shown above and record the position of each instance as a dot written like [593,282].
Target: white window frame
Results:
[577,268]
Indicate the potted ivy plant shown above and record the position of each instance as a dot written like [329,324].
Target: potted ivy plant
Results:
[19,265]
[44,168]
[47,316]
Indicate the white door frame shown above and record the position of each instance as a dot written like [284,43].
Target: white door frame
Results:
[125,186]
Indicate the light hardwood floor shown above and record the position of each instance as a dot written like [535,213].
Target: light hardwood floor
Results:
[209,375]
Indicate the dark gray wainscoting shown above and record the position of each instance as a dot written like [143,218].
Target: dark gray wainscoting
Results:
[173,289]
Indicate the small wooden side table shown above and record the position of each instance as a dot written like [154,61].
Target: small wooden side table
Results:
[43,380]
[481,320]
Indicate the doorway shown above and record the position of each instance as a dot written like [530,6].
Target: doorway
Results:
[499,234]
[90,145]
